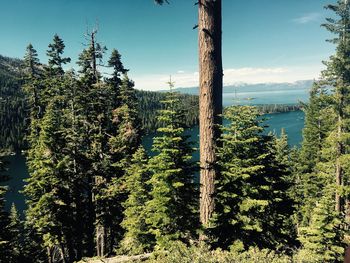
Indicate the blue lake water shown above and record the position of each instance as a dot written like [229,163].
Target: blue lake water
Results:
[266,97]
[292,122]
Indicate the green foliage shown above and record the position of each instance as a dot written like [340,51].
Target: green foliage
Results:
[5,236]
[16,231]
[11,227]
[83,132]
[136,238]
[172,210]
[118,70]
[324,237]
[12,105]
[55,62]
[253,205]
[324,158]
[31,63]
[179,252]
[150,103]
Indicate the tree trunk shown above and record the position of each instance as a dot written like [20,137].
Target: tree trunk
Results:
[210,100]
[93,54]
[49,254]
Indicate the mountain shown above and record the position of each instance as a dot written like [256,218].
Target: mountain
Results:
[10,67]
[12,104]
[245,87]
[13,109]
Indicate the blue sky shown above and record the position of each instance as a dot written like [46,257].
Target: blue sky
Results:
[263,40]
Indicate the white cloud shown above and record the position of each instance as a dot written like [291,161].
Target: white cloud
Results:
[180,72]
[231,76]
[307,18]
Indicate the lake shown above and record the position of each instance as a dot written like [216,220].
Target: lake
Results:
[292,122]
[265,97]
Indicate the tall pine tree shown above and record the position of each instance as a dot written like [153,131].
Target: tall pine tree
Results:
[253,205]
[172,210]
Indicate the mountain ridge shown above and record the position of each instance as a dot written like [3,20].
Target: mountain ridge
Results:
[248,87]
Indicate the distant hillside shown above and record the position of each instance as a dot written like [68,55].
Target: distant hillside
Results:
[150,104]
[12,104]
[10,66]
[244,87]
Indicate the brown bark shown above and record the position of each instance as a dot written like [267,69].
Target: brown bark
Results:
[93,53]
[210,100]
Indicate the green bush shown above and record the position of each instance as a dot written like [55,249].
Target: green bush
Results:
[179,252]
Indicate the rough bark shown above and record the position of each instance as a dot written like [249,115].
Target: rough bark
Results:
[93,53]
[210,100]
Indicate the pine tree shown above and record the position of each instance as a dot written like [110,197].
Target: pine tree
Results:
[48,189]
[337,76]
[319,119]
[125,118]
[90,58]
[253,206]
[319,122]
[118,70]
[94,101]
[56,61]
[171,212]
[210,99]
[323,239]
[282,148]
[6,252]
[32,88]
[122,145]
[31,62]
[5,237]
[136,238]
[16,230]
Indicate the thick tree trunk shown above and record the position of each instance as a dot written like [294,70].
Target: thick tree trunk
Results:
[210,100]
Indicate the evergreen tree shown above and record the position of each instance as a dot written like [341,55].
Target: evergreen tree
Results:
[118,70]
[319,122]
[32,88]
[171,212]
[16,230]
[136,238]
[125,118]
[94,100]
[337,76]
[282,148]
[122,145]
[31,62]
[323,239]
[55,62]
[253,205]
[210,99]
[319,119]
[5,236]
[6,252]
[90,58]
[48,189]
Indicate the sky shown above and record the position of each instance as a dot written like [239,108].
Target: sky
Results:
[263,40]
